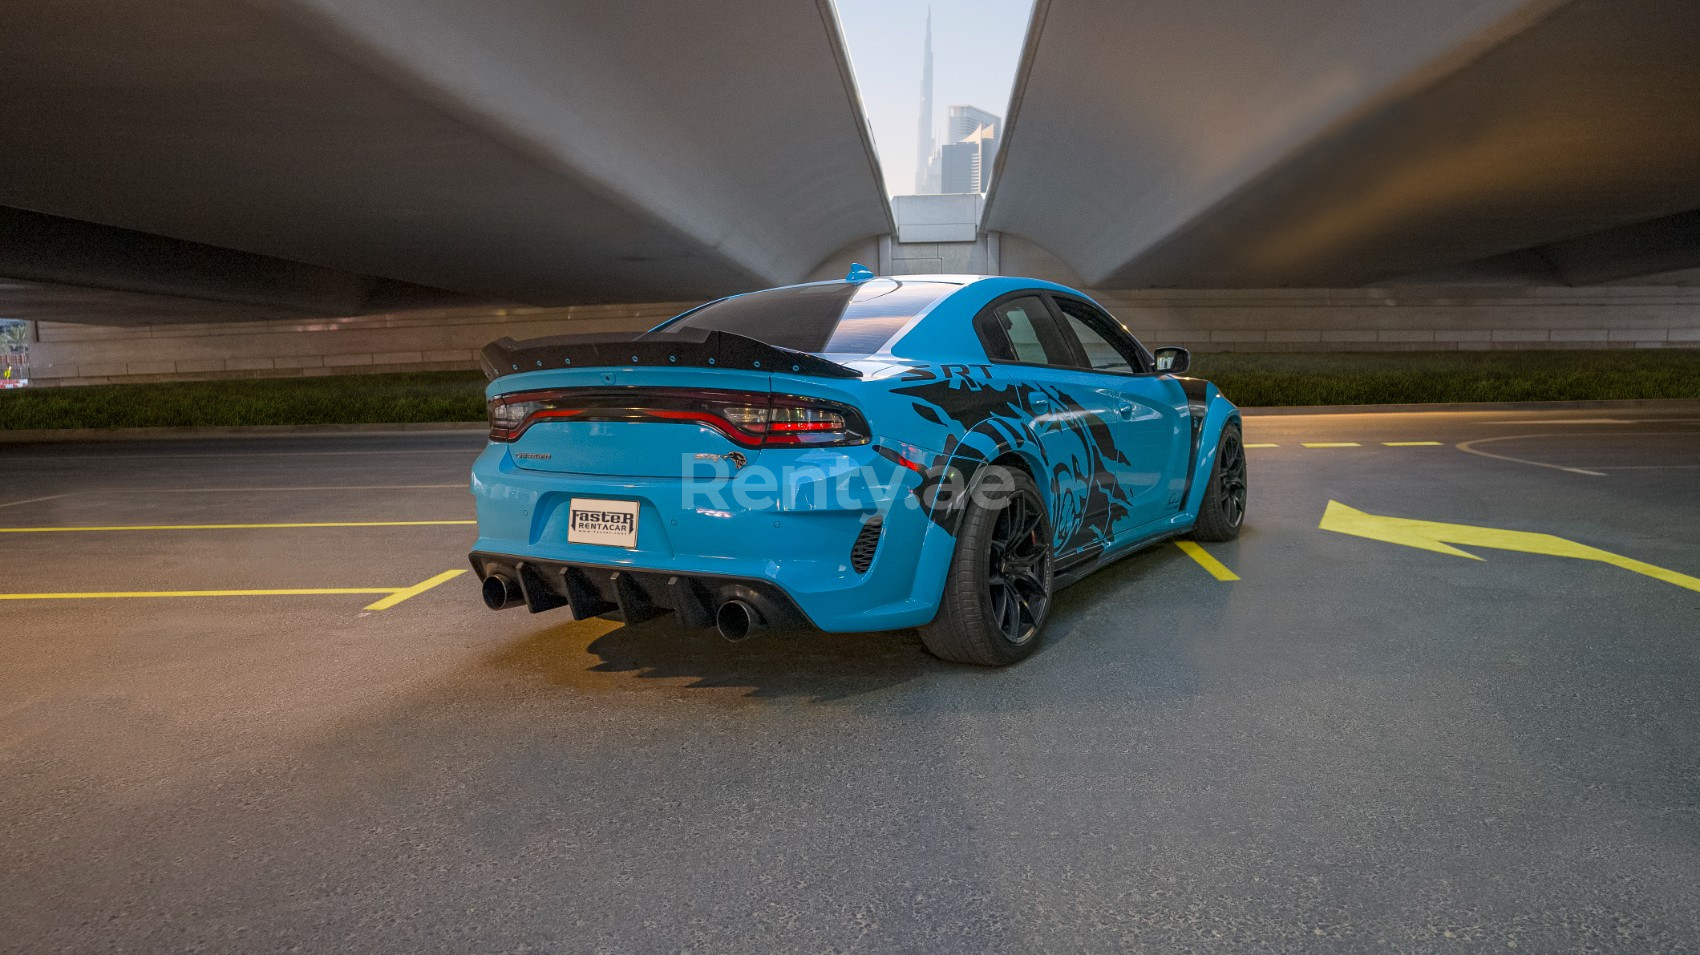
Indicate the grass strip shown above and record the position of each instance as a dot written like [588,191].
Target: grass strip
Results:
[1249,379]
[330,399]
[1255,380]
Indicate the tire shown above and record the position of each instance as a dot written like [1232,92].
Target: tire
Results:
[998,590]
[1222,513]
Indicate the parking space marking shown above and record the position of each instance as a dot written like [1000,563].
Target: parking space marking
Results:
[35,500]
[1546,421]
[229,527]
[1216,568]
[391,595]
[142,594]
[1356,444]
[1439,537]
[243,490]
[250,455]
[1469,447]
[415,590]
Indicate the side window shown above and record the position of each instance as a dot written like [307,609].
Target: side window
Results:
[1102,352]
[1020,330]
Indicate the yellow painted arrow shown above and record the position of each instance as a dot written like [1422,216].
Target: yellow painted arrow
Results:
[1435,536]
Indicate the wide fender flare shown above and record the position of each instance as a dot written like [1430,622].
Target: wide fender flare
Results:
[986,442]
[994,440]
[1219,412]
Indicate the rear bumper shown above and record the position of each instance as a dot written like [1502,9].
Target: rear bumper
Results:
[794,560]
[633,596]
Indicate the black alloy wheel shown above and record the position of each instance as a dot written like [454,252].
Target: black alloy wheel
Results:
[998,590]
[1018,569]
[1222,512]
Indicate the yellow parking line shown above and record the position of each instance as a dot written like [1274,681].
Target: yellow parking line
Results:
[227,527]
[391,595]
[1332,444]
[1412,444]
[130,594]
[1216,568]
[415,590]
[1262,445]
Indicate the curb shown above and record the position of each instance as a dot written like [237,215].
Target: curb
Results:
[1627,404]
[232,431]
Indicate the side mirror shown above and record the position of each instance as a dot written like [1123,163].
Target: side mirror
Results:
[1172,360]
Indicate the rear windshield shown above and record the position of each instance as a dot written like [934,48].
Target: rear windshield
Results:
[840,318]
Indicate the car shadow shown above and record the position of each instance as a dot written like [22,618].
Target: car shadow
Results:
[1121,616]
[602,655]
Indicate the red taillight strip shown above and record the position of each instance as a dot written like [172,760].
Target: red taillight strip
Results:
[629,406]
[710,420]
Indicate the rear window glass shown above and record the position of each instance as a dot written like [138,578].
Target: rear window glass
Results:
[840,318]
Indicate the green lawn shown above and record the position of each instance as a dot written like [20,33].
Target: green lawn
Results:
[333,399]
[1251,380]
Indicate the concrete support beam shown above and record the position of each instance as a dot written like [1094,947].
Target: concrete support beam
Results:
[1228,143]
[1669,244]
[62,259]
[543,151]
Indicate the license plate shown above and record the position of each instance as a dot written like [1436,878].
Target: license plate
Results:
[613,523]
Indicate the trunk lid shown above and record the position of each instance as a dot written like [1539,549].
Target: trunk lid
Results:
[650,423]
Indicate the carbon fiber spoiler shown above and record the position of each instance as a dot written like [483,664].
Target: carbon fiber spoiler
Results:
[689,348]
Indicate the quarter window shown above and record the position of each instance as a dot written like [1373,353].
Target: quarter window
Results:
[1019,330]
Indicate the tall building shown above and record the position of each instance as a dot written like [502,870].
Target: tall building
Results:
[965,121]
[966,162]
[924,128]
[959,167]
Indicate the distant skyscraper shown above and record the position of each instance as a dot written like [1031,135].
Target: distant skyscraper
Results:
[965,121]
[965,162]
[959,166]
[924,128]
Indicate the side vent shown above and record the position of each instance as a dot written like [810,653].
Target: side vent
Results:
[868,541]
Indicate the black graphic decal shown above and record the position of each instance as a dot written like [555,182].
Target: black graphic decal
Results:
[1087,498]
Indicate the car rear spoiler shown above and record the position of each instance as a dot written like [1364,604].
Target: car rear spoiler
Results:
[690,348]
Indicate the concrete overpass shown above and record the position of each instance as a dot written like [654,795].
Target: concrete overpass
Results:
[1320,143]
[1206,165]
[335,158]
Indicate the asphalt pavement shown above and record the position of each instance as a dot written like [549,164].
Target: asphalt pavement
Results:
[1338,733]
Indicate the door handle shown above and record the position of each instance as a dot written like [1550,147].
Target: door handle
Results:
[1040,403]
[1125,409]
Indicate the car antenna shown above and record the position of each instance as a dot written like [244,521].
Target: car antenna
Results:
[859,273]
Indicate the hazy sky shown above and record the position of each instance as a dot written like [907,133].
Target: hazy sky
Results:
[976,44]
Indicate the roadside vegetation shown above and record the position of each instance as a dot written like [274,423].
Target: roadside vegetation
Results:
[331,399]
[1262,380]
[1251,380]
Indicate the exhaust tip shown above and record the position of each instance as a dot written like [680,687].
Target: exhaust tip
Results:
[736,620]
[502,592]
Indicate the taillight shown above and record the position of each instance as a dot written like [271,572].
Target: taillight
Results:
[508,415]
[792,420]
[751,419]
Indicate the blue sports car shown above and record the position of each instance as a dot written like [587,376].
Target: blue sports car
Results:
[942,452]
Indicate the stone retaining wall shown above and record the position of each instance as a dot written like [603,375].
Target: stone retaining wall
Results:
[1402,319]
